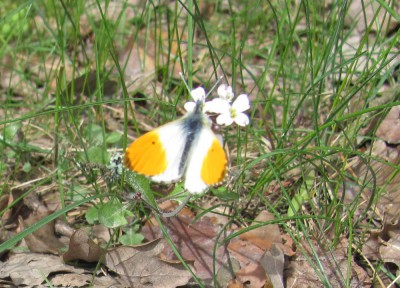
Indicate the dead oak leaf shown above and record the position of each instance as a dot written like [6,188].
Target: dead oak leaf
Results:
[337,267]
[264,236]
[81,247]
[84,280]
[44,239]
[140,266]
[244,251]
[194,241]
[273,262]
[253,274]
[391,251]
[32,269]
[389,129]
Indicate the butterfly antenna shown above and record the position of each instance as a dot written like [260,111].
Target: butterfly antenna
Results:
[215,85]
[209,92]
[184,81]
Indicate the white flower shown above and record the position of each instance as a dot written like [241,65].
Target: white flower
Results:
[232,113]
[198,94]
[225,93]
[229,113]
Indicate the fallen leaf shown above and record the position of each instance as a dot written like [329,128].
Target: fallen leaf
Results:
[265,236]
[81,247]
[84,280]
[140,266]
[390,252]
[335,264]
[226,273]
[273,263]
[72,280]
[385,174]
[43,240]
[389,129]
[32,269]
[253,274]
[194,241]
[244,251]
[235,283]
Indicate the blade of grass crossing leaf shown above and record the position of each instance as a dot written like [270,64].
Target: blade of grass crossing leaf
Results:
[14,240]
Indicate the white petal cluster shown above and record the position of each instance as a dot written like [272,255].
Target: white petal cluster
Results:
[229,113]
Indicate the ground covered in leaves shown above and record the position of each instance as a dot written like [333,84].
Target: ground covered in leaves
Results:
[311,198]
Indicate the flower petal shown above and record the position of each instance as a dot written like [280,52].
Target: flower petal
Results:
[242,119]
[198,94]
[224,119]
[225,92]
[217,105]
[189,106]
[241,103]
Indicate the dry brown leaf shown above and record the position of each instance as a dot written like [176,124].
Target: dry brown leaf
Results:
[385,175]
[194,241]
[226,273]
[84,280]
[253,275]
[265,236]
[375,244]
[44,239]
[300,273]
[389,129]
[273,262]
[288,247]
[72,280]
[140,266]
[4,202]
[235,283]
[81,247]
[101,232]
[390,252]
[370,248]
[32,269]
[244,251]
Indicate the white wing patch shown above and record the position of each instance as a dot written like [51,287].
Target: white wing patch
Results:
[173,138]
[198,151]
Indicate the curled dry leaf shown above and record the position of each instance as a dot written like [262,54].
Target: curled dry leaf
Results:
[83,280]
[226,273]
[273,263]
[32,269]
[335,264]
[265,236]
[390,252]
[81,247]
[254,275]
[42,240]
[244,251]
[140,266]
[195,242]
[389,129]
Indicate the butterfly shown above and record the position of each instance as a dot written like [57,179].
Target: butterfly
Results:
[185,148]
